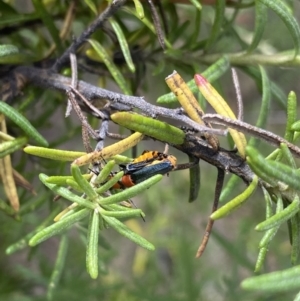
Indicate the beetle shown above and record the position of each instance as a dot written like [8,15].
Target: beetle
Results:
[150,163]
[143,160]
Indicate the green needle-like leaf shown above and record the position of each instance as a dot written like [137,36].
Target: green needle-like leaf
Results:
[218,22]
[261,18]
[261,173]
[277,92]
[295,229]
[197,4]
[54,154]
[58,267]
[129,213]
[287,155]
[119,159]
[212,73]
[123,230]
[229,188]
[281,281]
[91,4]
[260,259]
[268,236]
[114,71]
[7,50]
[9,147]
[58,227]
[265,105]
[23,242]
[115,207]
[8,210]
[147,23]
[62,180]
[236,202]
[74,185]
[92,245]
[281,9]
[153,128]
[10,54]
[194,181]
[297,298]
[139,9]
[274,170]
[283,173]
[130,192]
[110,183]
[177,34]
[67,194]
[83,183]
[296,126]
[105,172]
[48,22]
[123,44]
[192,41]
[291,116]
[281,217]
[22,122]
[268,201]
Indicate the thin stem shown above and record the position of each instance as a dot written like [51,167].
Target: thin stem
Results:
[286,58]
[97,112]
[210,223]
[252,130]
[239,99]
[74,81]
[156,23]
[82,118]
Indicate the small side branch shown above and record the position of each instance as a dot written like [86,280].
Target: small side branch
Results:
[210,223]
[252,130]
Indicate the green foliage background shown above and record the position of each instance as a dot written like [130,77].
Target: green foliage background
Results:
[173,225]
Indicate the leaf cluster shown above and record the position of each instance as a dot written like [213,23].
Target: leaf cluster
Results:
[134,46]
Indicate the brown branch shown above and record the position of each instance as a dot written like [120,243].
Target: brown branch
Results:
[222,159]
[193,145]
[118,101]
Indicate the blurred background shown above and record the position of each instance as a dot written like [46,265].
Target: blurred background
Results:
[173,225]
